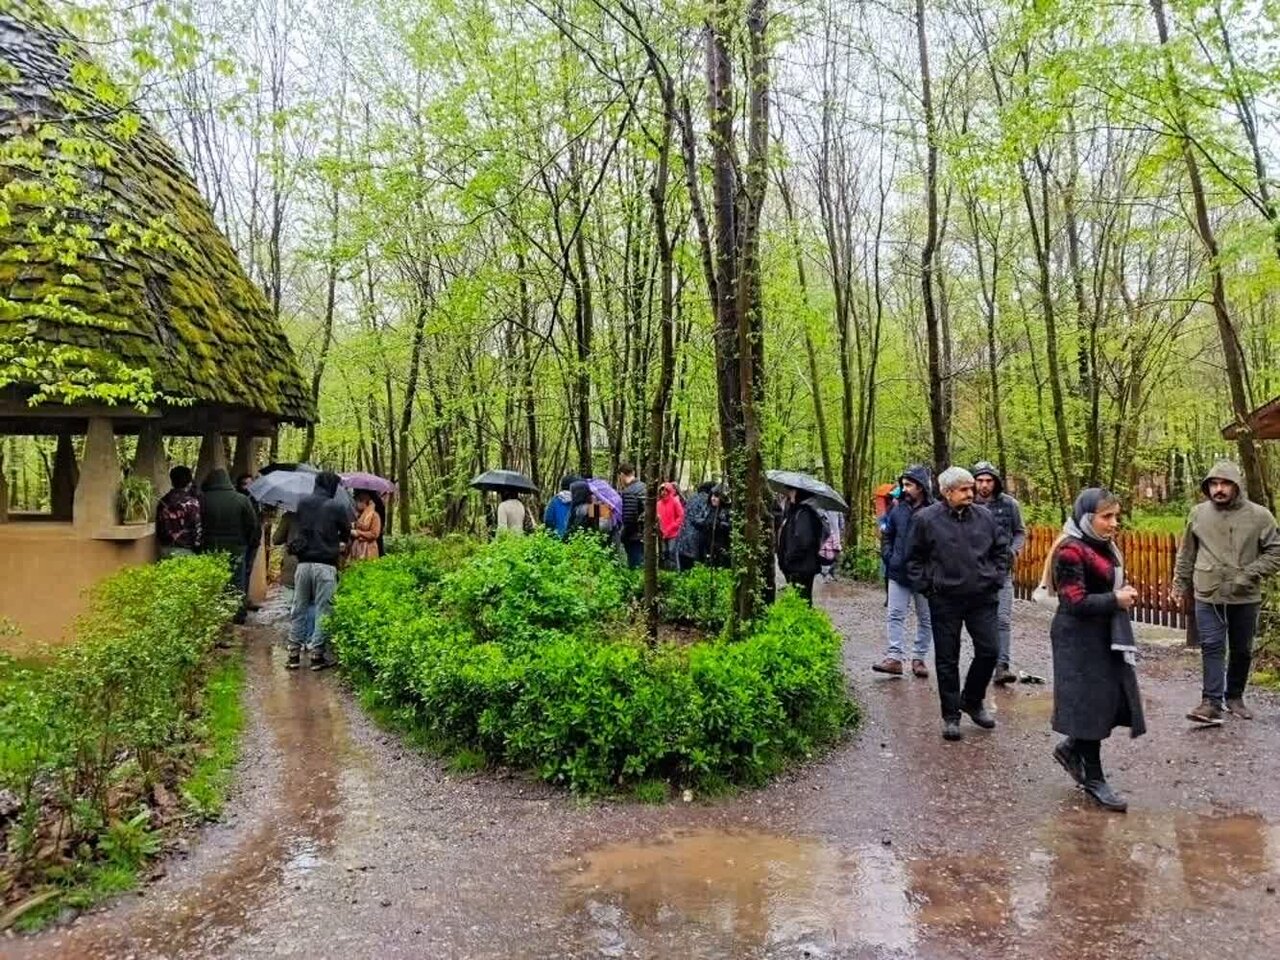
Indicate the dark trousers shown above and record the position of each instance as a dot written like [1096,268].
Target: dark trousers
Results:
[635,553]
[980,615]
[1223,627]
[804,585]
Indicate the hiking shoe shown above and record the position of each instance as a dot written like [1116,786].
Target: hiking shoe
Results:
[1208,713]
[1236,707]
[919,669]
[320,662]
[981,716]
[1004,676]
[951,731]
[1104,796]
[294,661]
[1070,761]
[888,665]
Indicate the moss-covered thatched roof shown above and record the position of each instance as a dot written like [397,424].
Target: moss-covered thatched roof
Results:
[110,261]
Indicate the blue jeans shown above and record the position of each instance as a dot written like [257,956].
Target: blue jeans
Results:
[1004,619]
[1223,626]
[313,588]
[900,601]
[635,553]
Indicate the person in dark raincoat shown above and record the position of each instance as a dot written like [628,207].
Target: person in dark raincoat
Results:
[692,542]
[1095,685]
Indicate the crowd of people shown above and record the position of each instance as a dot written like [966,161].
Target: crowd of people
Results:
[316,538]
[950,560]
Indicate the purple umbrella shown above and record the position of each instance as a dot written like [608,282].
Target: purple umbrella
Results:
[604,492]
[367,481]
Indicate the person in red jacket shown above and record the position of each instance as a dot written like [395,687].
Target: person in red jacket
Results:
[670,520]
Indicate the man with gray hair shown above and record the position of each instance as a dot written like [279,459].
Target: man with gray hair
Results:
[958,556]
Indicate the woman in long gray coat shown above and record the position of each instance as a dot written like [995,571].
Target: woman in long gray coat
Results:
[1095,686]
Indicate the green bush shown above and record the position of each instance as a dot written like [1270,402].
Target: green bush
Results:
[529,655]
[701,597]
[88,733]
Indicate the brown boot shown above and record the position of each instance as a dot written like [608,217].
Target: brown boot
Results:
[1236,707]
[890,666]
[1208,713]
[1004,676]
[919,669]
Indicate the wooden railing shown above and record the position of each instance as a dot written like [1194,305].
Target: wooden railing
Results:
[1148,561]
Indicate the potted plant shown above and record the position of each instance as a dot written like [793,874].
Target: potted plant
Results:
[135,500]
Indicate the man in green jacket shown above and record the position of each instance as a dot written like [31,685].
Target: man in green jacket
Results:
[1230,545]
[231,526]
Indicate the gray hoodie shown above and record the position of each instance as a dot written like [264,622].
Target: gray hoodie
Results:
[1227,550]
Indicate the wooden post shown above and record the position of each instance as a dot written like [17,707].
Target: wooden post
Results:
[246,456]
[66,474]
[212,456]
[94,506]
[4,490]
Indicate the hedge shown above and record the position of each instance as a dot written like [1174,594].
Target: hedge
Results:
[530,650]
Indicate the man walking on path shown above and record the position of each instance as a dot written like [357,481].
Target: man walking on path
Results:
[230,524]
[1230,545]
[989,487]
[178,529]
[902,593]
[958,556]
[633,493]
[321,530]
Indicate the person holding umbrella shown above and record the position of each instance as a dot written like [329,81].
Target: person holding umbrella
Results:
[511,513]
[799,540]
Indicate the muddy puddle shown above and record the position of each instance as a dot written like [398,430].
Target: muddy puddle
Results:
[1075,887]
[306,721]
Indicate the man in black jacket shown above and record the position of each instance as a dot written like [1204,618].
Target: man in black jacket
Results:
[958,556]
[989,487]
[633,492]
[320,532]
[799,541]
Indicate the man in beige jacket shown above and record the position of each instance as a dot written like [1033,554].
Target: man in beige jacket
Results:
[1229,546]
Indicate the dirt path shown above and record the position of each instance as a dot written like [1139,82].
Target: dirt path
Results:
[344,844]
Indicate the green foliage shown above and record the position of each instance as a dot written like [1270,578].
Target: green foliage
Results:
[205,789]
[529,655]
[701,597]
[85,736]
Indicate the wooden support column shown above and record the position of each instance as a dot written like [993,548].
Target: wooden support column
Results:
[95,497]
[66,475]
[246,458]
[150,460]
[212,456]
[4,488]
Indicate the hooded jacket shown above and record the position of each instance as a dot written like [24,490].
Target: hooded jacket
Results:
[1006,509]
[322,525]
[230,523]
[556,516]
[670,511]
[1226,551]
[694,535]
[799,540]
[897,525]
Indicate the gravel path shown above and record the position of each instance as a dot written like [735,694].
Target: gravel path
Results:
[344,843]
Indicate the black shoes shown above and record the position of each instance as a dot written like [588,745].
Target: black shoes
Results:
[1101,792]
[981,716]
[1004,676]
[294,661]
[321,662]
[951,730]
[1070,761]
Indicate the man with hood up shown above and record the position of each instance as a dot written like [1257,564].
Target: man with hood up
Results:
[321,530]
[556,517]
[1229,546]
[902,593]
[989,491]
[230,525]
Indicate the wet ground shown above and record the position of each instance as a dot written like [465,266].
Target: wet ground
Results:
[895,845]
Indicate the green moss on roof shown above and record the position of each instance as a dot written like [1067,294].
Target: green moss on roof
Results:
[107,246]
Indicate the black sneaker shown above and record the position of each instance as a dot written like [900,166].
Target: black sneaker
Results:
[294,661]
[981,716]
[320,662]
[1070,761]
[1102,793]
[951,731]
[1004,676]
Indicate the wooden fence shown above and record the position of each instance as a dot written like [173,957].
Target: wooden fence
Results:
[1148,561]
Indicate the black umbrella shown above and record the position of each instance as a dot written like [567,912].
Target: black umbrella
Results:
[503,480]
[821,495]
[292,467]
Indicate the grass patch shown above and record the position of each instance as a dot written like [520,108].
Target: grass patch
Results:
[204,791]
[652,791]
[467,760]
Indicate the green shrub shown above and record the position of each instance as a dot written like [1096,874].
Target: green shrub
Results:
[529,654]
[88,733]
[701,597]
